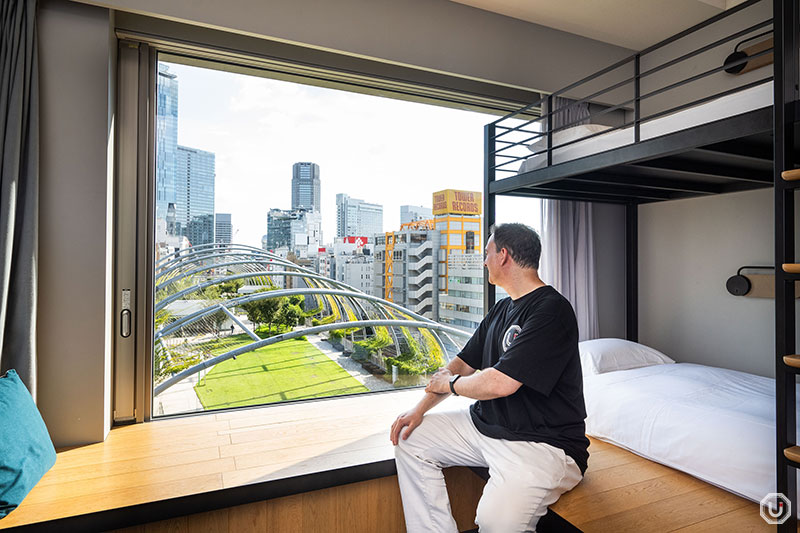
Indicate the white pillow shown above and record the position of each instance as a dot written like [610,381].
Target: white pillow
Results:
[607,355]
[567,135]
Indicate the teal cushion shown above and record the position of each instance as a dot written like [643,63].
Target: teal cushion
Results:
[26,451]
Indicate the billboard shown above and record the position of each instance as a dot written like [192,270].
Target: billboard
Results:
[454,202]
[358,241]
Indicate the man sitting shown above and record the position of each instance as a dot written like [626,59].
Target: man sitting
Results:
[527,426]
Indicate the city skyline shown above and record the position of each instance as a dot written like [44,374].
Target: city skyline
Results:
[369,147]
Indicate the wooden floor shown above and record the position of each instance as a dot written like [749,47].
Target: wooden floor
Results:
[195,455]
[624,492]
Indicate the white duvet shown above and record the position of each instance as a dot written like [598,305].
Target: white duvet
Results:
[715,424]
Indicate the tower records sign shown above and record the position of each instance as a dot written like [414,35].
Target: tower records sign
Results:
[451,201]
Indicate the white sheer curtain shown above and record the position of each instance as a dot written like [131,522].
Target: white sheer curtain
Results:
[568,259]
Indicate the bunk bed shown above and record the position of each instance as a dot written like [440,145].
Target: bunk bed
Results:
[636,132]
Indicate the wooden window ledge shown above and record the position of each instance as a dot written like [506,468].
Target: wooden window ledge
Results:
[179,466]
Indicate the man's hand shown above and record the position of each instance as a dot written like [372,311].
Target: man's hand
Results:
[410,419]
[440,382]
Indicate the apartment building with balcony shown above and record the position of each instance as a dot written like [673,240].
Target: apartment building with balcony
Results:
[405,270]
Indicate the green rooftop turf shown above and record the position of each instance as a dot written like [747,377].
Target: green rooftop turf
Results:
[289,370]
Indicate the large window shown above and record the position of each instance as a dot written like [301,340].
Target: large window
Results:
[296,243]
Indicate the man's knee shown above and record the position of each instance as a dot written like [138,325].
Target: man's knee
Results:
[511,506]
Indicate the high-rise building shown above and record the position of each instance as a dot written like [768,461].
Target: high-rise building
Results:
[411,213]
[435,266]
[405,268]
[279,227]
[223,229]
[166,140]
[305,187]
[194,188]
[357,217]
[184,188]
[355,270]
[457,216]
[297,230]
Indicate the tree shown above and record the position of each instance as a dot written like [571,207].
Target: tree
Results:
[269,308]
[289,315]
[262,311]
[219,320]
[231,288]
[212,292]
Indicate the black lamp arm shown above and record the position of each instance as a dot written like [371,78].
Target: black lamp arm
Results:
[739,272]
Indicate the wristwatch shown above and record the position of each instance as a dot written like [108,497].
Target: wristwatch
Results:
[453,382]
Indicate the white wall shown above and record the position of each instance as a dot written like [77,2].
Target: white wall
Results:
[609,250]
[687,251]
[74,337]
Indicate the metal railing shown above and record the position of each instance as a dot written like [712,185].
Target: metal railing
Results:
[505,136]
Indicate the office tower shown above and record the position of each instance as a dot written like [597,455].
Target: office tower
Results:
[223,229]
[297,230]
[412,213]
[435,267]
[194,188]
[279,228]
[356,217]
[166,139]
[457,216]
[305,187]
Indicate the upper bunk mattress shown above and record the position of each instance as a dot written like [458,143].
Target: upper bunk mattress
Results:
[715,424]
[727,106]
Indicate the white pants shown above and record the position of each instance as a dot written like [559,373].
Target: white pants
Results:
[525,477]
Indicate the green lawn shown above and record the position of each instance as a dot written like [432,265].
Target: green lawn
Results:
[289,370]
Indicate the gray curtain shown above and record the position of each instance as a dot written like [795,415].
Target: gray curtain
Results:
[19,187]
[568,262]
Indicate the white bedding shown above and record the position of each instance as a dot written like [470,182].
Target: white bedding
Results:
[717,109]
[715,424]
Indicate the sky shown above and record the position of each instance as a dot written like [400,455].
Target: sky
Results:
[380,150]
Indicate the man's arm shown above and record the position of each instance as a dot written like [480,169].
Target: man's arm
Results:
[413,418]
[486,385]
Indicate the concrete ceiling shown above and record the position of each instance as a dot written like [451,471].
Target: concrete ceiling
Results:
[633,24]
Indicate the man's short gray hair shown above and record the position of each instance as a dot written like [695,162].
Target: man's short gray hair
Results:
[521,241]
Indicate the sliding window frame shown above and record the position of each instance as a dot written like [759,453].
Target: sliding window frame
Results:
[133,231]
[141,41]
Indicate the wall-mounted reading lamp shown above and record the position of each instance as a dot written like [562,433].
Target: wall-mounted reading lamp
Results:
[755,285]
[740,285]
[744,53]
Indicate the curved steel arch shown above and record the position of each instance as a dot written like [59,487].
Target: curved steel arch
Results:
[204,248]
[234,302]
[200,286]
[206,252]
[205,255]
[322,286]
[172,380]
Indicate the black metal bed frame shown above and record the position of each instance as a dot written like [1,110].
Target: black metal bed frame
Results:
[742,152]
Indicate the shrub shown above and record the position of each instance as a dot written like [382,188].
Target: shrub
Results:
[381,339]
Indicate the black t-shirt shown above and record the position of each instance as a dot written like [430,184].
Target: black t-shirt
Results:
[534,340]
